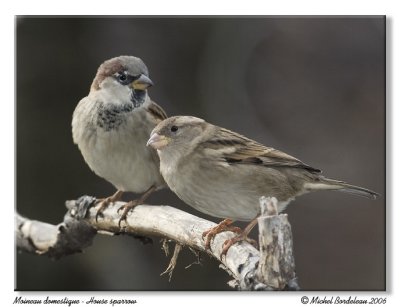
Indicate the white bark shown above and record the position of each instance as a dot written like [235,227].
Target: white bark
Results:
[276,267]
[80,226]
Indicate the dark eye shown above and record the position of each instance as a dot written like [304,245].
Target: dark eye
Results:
[123,78]
[174,128]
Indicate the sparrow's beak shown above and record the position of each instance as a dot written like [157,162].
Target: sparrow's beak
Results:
[141,83]
[157,141]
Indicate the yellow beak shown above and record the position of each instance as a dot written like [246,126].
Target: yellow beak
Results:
[142,83]
[157,141]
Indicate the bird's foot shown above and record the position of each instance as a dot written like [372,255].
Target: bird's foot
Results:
[225,225]
[126,208]
[104,202]
[133,203]
[241,237]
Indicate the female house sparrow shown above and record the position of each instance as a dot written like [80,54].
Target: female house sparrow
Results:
[111,126]
[223,174]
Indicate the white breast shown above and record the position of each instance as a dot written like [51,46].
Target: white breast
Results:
[120,155]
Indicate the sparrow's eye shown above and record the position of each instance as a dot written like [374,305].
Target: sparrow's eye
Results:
[174,129]
[123,78]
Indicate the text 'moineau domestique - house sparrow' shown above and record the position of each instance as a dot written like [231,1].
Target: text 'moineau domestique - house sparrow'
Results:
[223,174]
[112,125]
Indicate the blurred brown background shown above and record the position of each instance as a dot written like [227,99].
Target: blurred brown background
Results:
[313,87]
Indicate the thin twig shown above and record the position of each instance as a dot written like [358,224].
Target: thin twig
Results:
[173,261]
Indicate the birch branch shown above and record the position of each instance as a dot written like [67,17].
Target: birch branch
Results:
[79,227]
[69,237]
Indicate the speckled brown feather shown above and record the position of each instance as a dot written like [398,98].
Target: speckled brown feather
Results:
[158,113]
[247,151]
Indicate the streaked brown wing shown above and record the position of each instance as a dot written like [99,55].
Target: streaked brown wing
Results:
[157,111]
[236,148]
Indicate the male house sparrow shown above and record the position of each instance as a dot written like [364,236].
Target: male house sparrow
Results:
[223,174]
[111,126]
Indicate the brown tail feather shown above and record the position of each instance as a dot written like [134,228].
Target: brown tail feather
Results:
[330,184]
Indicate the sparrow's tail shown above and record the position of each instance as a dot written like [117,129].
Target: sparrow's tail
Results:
[330,184]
